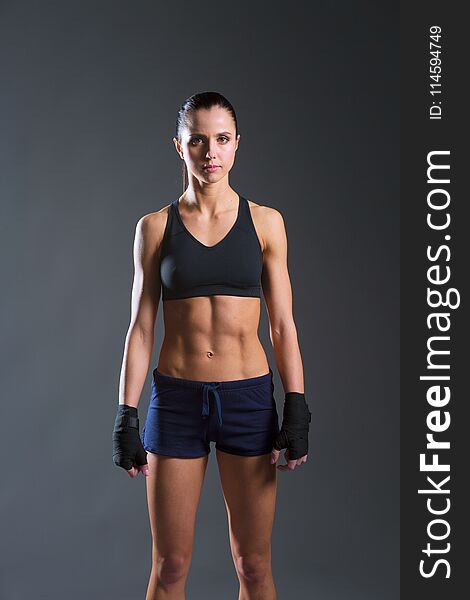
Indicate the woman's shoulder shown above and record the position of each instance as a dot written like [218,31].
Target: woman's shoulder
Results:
[266,216]
[152,225]
[268,222]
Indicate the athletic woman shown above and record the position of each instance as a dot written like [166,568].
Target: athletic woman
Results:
[208,254]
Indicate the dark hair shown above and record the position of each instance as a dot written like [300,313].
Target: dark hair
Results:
[195,102]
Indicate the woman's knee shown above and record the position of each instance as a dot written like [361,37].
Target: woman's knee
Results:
[253,567]
[172,568]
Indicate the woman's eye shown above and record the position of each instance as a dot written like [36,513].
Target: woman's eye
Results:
[194,141]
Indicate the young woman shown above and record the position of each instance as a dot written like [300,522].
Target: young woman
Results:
[209,253]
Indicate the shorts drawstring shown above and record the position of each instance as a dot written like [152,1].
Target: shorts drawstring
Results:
[206,388]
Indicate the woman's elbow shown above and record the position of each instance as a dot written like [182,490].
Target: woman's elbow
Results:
[283,329]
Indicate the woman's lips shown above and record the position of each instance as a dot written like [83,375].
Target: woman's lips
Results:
[211,168]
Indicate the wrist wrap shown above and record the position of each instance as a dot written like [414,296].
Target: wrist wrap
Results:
[295,426]
[128,450]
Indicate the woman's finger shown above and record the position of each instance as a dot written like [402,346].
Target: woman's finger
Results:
[274,455]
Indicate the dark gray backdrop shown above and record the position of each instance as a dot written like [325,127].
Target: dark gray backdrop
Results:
[89,97]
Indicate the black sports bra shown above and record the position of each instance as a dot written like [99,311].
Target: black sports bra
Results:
[232,267]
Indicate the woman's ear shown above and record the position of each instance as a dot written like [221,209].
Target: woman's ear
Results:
[178,147]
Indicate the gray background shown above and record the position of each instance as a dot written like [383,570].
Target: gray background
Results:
[89,97]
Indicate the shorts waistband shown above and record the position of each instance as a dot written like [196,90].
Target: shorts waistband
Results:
[223,385]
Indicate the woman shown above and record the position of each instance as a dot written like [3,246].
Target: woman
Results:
[209,252]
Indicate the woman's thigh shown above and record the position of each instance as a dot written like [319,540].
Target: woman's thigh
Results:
[173,492]
[249,488]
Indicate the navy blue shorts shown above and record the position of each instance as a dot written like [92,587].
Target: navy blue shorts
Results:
[184,415]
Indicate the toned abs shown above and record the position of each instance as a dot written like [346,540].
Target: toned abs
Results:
[212,338]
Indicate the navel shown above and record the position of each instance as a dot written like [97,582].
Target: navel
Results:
[210,354]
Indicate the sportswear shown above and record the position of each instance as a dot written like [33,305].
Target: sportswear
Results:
[185,415]
[232,266]
[127,445]
[295,426]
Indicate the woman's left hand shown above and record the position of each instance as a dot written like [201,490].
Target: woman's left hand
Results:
[290,464]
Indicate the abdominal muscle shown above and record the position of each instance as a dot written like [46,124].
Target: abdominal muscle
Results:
[212,338]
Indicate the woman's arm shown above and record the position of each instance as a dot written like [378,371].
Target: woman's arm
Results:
[278,295]
[293,434]
[139,341]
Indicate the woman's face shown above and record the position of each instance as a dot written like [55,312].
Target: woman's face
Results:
[208,140]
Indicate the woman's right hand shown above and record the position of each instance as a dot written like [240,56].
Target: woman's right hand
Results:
[128,451]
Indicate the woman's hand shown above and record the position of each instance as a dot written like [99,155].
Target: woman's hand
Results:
[290,464]
[293,435]
[128,451]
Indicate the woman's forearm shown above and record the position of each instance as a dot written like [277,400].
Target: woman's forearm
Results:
[138,350]
[288,357]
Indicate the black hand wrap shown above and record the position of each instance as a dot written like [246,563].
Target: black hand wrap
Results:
[295,425]
[127,445]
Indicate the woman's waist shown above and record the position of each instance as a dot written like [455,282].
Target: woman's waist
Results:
[216,361]
[194,340]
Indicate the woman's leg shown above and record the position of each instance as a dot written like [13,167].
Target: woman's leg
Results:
[249,487]
[173,492]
